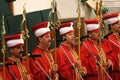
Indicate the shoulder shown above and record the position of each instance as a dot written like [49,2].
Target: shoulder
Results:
[108,35]
[36,51]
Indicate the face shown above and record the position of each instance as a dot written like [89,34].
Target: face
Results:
[45,40]
[105,13]
[70,38]
[116,27]
[95,35]
[17,51]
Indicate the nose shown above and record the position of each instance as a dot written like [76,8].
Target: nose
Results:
[21,49]
[49,38]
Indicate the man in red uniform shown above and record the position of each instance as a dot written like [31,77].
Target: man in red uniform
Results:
[113,20]
[95,54]
[15,44]
[43,67]
[67,58]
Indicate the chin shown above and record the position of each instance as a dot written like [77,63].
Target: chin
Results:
[20,55]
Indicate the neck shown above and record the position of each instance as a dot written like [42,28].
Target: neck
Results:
[95,40]
[15,58]
[42,46]
[67,43]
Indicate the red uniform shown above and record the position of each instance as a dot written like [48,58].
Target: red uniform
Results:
[115,73]
[65,60]
[19,70]
[7,77]
[40,66]
[88,50]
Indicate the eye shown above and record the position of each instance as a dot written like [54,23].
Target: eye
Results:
[18,47]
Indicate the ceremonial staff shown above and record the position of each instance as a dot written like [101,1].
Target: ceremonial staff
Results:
[79,27]
[3,46]
[97,8]
[54,24]
[25,35]
[101,53]
[100,17]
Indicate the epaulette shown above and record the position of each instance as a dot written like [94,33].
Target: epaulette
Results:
[106,36]
[83,38]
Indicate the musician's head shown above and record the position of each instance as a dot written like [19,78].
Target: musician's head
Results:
[15,44]
[93,28]
[42,33]
[67,32]
[113,20]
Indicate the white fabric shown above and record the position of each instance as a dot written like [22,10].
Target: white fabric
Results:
[41,31]
[91,27]
[111,20]
[14,42]
[65,30]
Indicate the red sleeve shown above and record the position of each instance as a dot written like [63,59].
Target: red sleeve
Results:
[36,71]
[87,60]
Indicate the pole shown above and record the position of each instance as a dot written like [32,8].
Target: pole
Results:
[54,23]
[79,27]
[3,46]
[25,36]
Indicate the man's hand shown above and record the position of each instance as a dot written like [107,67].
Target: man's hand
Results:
[54,67]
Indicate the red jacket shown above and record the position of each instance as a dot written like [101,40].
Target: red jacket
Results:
[65,67]
[115,43]
[89,53]
[41,69]
[16,70]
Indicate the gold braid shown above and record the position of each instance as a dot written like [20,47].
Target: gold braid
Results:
[102,56]
[22,70]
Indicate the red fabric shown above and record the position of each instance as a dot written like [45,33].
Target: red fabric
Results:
[89,62]
[12,37]
[92,21]
[7,77]
[15,69]
[40,25]
[115,74]
[43,61]
[65,69]
[67,24]
[111,15]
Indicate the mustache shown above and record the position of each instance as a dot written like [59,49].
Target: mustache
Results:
[21,52]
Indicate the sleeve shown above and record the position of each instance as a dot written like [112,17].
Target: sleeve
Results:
[36,71]
[88,62]
[63,66]
[110,53]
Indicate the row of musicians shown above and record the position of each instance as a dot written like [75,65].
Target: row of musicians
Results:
[99,59]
